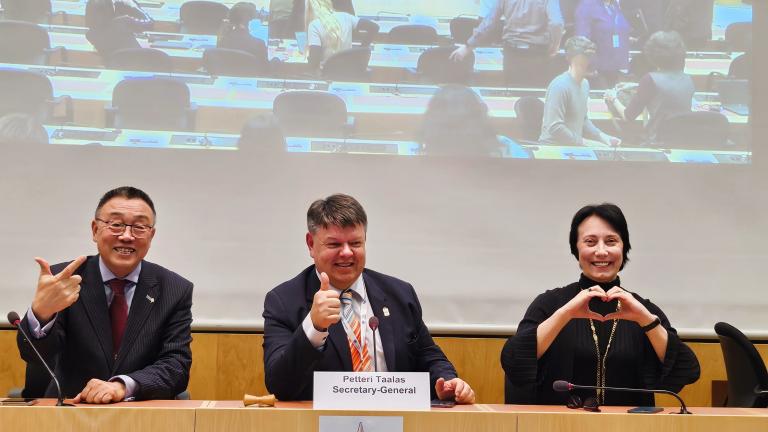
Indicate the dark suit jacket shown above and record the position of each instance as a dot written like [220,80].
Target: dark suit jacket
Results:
[290,359]
[155,349]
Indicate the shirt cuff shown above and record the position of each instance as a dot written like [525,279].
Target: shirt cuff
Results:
[130,386]
[38,332]
[316,338]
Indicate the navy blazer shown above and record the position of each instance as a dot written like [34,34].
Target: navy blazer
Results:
[290,359]
[155,348]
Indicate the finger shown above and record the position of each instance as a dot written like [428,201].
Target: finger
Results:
[325,284]
[596,316]
[334,318]
[45,268]
[77,398]
[459,387]
[106,398]
[614,315]
[614,290]
[70,269]
[439,384]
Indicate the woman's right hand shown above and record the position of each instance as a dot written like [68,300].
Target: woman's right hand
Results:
[578,307]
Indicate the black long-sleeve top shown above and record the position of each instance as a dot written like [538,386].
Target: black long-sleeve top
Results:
[631,361]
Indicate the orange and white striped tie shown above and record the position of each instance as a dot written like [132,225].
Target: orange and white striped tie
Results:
[360,363]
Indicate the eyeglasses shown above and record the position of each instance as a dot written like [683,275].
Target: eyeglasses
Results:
[588,404]
[118,228]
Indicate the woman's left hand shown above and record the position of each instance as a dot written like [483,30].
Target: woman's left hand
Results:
[631,309]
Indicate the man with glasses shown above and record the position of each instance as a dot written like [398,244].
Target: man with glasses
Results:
[320,319]
[116,327]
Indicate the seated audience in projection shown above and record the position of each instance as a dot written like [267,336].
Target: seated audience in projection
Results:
[112,24]
[666,91]
[330,31]
[602,22]
[531,37]
[21,129]
[566,103]
[114,326]
[594,332]
[234,32]
[456,123]
[318,321]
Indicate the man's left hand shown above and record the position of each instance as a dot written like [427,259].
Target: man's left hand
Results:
[101,392]
[456,389]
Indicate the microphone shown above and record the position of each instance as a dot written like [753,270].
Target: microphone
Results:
[373,323]
[14,319]
[563,386]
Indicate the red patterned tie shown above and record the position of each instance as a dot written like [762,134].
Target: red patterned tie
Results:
[118,312]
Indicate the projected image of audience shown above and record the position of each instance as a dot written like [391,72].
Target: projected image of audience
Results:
[598,80]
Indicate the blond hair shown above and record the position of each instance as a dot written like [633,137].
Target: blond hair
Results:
[322,10]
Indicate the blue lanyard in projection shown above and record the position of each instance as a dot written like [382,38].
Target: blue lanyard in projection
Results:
[358,344]
[613,9]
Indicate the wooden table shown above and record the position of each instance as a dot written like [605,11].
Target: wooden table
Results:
[232,416]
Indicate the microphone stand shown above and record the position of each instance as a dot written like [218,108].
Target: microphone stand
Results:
[683,408]
[60,401]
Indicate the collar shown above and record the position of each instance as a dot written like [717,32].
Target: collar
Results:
[585,282]
[107,275]
[358,286]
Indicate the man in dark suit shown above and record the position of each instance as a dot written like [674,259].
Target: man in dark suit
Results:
[318,321]
[116,327]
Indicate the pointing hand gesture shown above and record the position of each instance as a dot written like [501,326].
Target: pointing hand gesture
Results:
[56,292]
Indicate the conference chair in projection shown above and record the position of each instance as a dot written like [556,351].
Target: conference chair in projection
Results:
[140,59]
[236,63]
[462,28]
[738,37]
[740,68]
[202,17]
[36,11]
[348,65]
[151,103]
[529,111]
[436,67]
[313,114]
[23,91]
[27,43]
[747,375]
[695,130]
[413,34]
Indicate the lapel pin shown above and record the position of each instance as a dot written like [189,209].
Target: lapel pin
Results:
[151,299]
[385,310]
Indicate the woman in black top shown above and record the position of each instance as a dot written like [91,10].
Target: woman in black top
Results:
[567,332]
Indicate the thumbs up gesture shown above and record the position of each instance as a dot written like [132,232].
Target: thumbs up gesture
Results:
[55,293]
[326,306]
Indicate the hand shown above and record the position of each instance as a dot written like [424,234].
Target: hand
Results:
[55,293]
[101,392]
[612,140]
[578,307]
[326,306]
[610,95]
[631,309]
[456,389]
[460,53]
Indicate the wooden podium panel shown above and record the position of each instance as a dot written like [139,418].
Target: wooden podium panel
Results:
[300,417]
[151,416]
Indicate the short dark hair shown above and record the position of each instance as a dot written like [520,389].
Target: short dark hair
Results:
[612,215]
[579,45]
[666,51]
[127,192]
[336,210]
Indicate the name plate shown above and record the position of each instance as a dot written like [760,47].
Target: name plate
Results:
[383,391]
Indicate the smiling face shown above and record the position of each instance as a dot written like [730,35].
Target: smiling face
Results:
[600,249]
[339,252]
[122,252]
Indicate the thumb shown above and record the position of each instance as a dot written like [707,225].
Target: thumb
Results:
[325,285]
[45,268]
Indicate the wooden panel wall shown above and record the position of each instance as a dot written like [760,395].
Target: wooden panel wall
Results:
[225,366]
